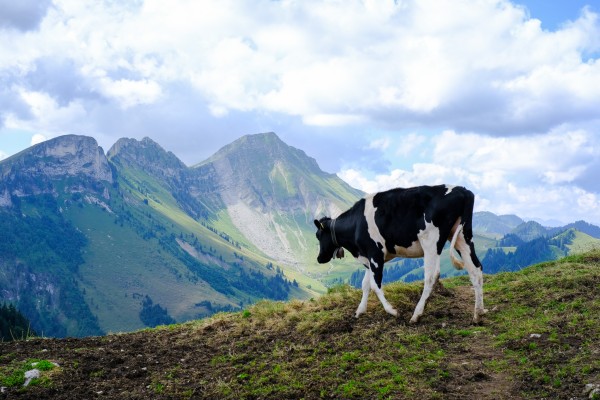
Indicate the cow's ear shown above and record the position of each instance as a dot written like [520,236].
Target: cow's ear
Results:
[318,224]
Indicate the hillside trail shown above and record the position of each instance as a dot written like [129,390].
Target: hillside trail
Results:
[471,365]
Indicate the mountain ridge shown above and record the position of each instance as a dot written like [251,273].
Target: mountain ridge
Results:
[151,224]
[183,241]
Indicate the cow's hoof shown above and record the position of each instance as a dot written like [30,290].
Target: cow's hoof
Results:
[392,312]
[413,320]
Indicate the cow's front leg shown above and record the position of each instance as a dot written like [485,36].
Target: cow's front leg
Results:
[376,278]
[366,288]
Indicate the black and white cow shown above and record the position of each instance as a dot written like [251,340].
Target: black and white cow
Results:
[411,223]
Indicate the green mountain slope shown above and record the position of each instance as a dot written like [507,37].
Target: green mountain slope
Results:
[93,243]
[540,339]
[271,193]
[144,239]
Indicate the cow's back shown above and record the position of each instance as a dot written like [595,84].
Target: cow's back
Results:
[400,214]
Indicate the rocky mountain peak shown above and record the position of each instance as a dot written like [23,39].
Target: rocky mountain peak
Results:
[68,155]
[148,155]
[263,150]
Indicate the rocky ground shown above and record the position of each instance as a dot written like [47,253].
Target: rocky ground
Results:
[541,339]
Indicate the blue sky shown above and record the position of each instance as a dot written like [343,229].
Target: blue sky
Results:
[499,96]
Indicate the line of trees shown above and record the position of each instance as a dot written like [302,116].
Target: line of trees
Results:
[13,324]
[401,270]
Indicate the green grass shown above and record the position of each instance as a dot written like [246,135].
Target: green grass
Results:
[13,374]
[540,339]
[359,359]
[549,328]
[139,266]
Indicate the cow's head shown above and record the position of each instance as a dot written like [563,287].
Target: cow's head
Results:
[328,249]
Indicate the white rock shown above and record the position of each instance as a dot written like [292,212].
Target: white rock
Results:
[535,336]
[592,389]
[31,374]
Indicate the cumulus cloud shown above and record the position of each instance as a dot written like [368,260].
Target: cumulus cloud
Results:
[38,138]
[533,176]
[472,92]
[481,66]
[23,15]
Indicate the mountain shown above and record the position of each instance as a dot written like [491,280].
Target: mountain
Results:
[40,249]
[92,243]
[271,193]
[539,340]
[85,234]
[490,223]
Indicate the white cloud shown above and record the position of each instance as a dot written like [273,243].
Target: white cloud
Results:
[409,143]
[130,93]
[380,144]
[532,176]
[49,117]
[332,119]
[516,105]
[422,61]
[38,138]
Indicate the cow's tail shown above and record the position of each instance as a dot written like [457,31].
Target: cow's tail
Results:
[458,263]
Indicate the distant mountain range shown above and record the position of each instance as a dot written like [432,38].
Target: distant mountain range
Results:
[94,242]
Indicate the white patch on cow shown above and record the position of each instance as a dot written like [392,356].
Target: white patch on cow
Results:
[449,189]
[369,284]
[363,260]
[428,238]
[366,288]
[475,274]
[379,292]
[414,251]
[371,225]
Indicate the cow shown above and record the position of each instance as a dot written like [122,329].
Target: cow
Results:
[405,222]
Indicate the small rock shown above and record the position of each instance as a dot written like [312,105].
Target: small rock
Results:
[535,336]
[3,389]
[31,374]
[591,389]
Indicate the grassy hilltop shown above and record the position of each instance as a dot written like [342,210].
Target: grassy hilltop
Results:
[541,339]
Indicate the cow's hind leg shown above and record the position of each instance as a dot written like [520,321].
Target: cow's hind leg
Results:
[467,253]
[431,266]
[366,288]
